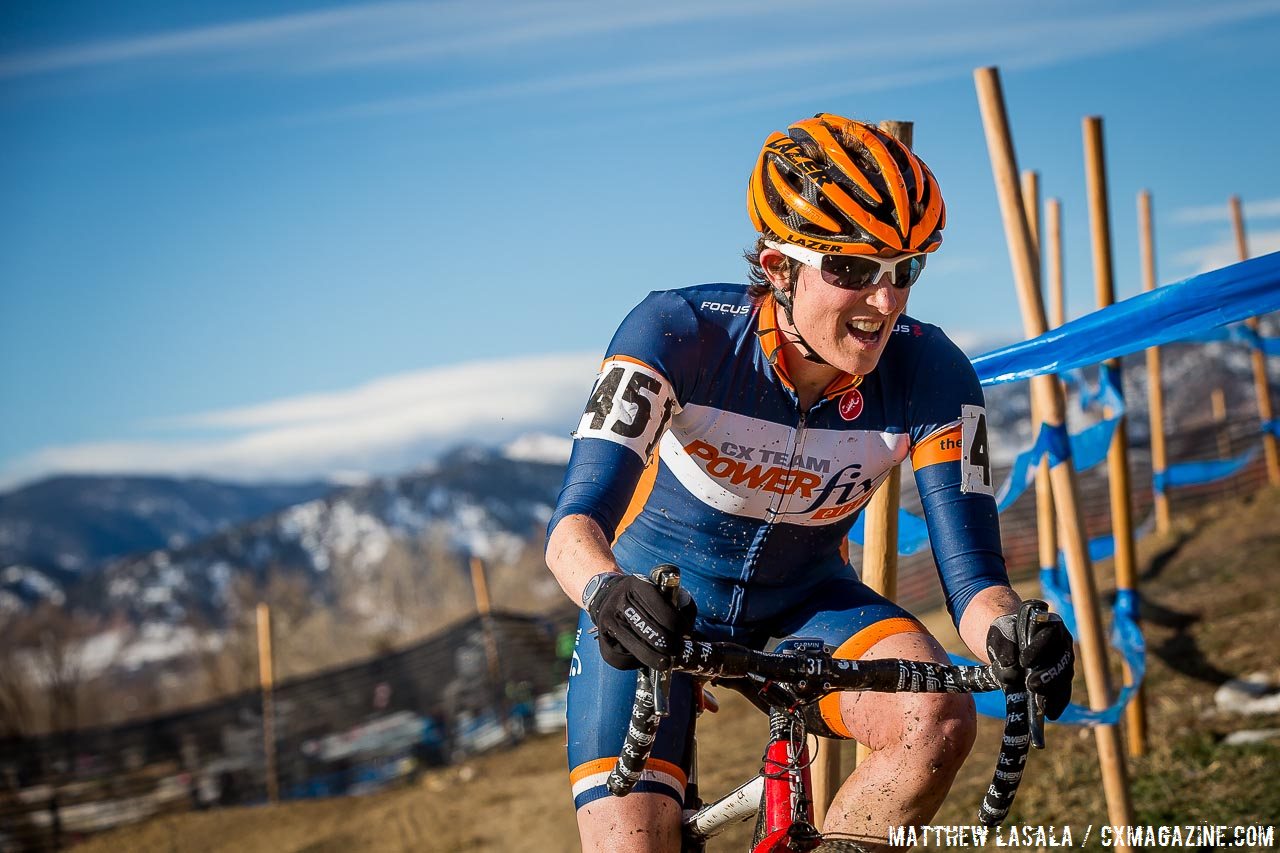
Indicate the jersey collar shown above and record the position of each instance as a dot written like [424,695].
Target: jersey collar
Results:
[771,343]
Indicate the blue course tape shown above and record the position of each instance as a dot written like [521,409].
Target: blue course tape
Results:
[1160,316]
[1053,580]
[1054,590]
[1199,473]
[1109,394]
[1237,334]
[1086,449]
[1052,441]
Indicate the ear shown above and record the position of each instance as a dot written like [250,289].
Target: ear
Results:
[774,265]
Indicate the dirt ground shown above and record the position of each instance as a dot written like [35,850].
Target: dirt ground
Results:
[1211,605]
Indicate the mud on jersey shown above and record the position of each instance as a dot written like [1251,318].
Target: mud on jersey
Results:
[693,450]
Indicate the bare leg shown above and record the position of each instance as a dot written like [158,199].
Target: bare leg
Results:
[637,823]
[920,742]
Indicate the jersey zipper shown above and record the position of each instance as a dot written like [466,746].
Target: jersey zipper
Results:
[794,446]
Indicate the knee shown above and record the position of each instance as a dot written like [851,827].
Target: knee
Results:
[944,733]
[937,730]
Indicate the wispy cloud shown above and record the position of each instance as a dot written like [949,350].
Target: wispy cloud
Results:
[1224,252]
[381,426]
[381,33]
[258,33]
[396,33]
[947,52]
[1201,214]
[557,21]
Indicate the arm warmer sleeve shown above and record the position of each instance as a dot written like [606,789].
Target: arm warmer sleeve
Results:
[964,531]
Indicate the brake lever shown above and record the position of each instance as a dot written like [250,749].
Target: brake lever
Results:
[1036,721]
[1032,613]
[667,579]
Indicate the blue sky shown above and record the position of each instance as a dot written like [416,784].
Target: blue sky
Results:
[338,237]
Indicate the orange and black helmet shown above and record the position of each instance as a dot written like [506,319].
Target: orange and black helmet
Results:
[839,186]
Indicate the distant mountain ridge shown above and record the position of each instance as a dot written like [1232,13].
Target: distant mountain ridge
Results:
[357,548]
[73,522]
[53,531]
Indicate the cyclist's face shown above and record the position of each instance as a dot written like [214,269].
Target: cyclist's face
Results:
[847,328]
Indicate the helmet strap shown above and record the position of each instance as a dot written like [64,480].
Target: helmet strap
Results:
[809,353]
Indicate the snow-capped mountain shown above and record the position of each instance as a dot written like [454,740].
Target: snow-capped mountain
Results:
[359,550]
[54,531]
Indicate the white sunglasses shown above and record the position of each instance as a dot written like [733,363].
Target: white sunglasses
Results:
[856,272]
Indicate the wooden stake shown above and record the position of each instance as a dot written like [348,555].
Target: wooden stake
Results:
[480,586]
[880,542]
[1065,491]
[1260,384]
[1046,526]
[1053,255]
[1118,454]
[266,680]
[1031,204]
[1155,386]
[903,131]
[880,550]
[880,555]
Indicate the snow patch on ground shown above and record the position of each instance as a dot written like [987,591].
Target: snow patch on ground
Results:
[358,534]
[404,515]
[123,648]
[35,582]
[474,532]
[1257,693]
[304,524]
[339,529]
[10,604]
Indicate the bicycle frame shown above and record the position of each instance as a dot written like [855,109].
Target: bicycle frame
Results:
[779,797]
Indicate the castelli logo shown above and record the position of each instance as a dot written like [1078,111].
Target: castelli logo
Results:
[851,404]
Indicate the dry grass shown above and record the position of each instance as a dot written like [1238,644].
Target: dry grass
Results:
[1211,591]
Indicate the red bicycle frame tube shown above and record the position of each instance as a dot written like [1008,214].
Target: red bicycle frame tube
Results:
[781,790]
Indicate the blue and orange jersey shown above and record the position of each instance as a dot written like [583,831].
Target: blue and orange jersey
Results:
[694,450]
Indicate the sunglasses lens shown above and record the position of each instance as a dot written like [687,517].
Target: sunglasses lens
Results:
[906,272]
[849,272]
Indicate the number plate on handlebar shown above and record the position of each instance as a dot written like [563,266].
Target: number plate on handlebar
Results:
[814,651]
[800,644]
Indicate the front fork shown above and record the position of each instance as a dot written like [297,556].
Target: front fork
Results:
[787,806]
[690,843]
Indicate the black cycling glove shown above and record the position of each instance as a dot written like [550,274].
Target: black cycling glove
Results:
[1046,659]
[637,625]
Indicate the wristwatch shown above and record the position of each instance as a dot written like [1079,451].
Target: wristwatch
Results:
[593,587]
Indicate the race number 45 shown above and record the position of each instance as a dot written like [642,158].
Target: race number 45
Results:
[975,451]
[630,405]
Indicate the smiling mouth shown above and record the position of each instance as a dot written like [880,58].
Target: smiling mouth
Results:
[866,331]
